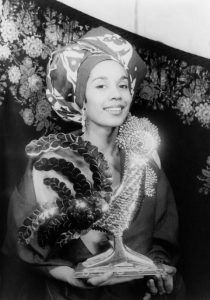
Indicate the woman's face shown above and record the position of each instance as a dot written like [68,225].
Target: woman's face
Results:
[108,96]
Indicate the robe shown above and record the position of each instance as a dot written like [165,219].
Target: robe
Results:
[152,232]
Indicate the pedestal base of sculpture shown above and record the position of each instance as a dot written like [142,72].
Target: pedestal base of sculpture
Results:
[121,261]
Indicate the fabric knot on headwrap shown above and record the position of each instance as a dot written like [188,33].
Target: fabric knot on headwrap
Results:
[70,67]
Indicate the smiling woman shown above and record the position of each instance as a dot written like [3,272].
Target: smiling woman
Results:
[80,189]
[108,97]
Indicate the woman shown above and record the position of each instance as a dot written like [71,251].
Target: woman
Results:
[93,82]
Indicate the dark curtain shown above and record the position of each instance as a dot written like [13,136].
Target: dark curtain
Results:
[183,152]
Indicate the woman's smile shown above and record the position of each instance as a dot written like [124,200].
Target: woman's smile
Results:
[114,109]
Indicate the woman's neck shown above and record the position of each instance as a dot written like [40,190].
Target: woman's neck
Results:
[102,137]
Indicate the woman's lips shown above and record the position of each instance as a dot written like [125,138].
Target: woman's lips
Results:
[114,110]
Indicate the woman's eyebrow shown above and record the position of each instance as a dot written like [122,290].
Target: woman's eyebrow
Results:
[105,78]
[124,77]
[100,77]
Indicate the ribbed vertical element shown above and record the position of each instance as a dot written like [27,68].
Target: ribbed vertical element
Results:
[124,202]
[138,138]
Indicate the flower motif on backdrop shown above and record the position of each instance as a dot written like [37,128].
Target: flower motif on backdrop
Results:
[177,85]
[205,178]
[29,33]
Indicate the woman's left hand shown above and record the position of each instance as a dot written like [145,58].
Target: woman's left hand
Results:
[107,279]
[162,284]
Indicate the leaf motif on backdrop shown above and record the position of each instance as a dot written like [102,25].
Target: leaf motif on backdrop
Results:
[204,177]
[29,33]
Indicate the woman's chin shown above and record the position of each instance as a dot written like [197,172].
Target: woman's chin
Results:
[115,120]
[114,123]
[107,121]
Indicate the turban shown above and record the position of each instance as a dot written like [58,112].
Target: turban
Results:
[69,68]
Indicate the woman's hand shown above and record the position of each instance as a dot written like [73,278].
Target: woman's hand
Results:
[107,279]
[66,274]
[162,284]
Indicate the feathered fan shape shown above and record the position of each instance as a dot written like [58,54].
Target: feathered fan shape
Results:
[75,210]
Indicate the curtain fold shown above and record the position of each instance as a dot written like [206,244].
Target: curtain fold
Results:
[181,24]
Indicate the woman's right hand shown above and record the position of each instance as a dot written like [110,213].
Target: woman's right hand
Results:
[66,274]
[108,279]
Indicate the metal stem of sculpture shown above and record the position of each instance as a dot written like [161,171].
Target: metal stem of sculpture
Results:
[138,138]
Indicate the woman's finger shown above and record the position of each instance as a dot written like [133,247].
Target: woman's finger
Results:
[152,287]
[160,285]
[79,283]
[170,269]
[168,283]
[147,296]
[97,281]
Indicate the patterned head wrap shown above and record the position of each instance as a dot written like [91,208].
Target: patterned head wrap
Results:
[69,69]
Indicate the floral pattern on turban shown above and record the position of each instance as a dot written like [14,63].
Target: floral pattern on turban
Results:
[69,68]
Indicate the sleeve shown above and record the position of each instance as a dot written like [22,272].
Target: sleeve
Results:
[165,236]
[22,203]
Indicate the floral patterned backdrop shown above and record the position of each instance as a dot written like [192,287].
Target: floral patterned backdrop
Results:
[30,32]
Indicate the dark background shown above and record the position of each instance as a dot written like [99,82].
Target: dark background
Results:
[183,153]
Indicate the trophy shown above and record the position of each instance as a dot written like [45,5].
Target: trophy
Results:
[138,139]
[74,195]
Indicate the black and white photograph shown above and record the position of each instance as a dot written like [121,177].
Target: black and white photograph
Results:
[104,150]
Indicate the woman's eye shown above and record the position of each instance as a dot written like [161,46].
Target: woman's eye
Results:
[100,86]
[123,86]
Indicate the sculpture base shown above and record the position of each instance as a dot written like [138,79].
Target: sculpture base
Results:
[123,262]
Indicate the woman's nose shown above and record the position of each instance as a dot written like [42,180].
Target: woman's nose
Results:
[115,92]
